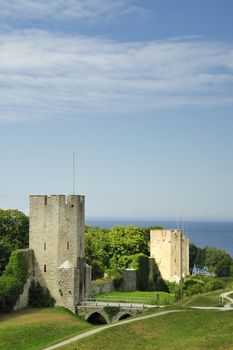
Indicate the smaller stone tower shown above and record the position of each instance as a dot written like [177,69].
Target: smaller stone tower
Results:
[170,249]
[56,236]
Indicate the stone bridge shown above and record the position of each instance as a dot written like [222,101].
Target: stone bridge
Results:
[102,312]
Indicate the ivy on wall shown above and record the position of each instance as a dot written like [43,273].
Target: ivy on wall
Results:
[13,280]
[140,262]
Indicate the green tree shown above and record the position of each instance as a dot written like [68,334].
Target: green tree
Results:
[218,261]
[193,250]
[223,266]
[97,250]
[200,258]
[14,231]
[126,241]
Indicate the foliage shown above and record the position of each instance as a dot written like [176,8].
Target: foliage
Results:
[114,248]
[126,241]
[39,296]
[111,311]
[216,260]
[116,276]
[13,279]
[193,250]
[140,262]
[97,250]
[14,229]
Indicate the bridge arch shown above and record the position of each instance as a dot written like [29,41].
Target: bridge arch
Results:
[96,318]
[123,315]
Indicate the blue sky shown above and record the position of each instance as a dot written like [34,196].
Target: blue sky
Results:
[141,91]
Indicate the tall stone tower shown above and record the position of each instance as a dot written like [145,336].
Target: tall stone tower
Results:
[56,236]
[170,249]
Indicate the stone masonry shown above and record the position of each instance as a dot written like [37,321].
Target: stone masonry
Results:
[170,249]
[56,236]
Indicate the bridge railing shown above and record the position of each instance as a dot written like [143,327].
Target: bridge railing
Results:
[140,304]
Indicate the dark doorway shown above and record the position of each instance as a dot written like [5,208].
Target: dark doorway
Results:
[96,319]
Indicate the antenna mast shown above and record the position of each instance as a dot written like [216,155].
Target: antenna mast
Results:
[73,173]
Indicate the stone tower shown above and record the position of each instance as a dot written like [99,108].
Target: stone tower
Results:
[170,249]
[56,236]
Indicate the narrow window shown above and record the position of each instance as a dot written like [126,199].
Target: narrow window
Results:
[45,200]
[44,245]
[45,223]
[45,268]
[68,245]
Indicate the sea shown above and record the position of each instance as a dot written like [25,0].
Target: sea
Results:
[217,234]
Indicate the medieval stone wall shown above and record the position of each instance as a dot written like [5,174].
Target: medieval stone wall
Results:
[169,248]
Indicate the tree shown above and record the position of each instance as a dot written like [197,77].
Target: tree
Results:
[218,261]
[193,250]
[14,232]
[125,242]
[223,266]
[200,258]
[97,250]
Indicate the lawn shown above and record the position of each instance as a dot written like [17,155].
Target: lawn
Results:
[193,330]
[152,298]
[207,299]
[32,329]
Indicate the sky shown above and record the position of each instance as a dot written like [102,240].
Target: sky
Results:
[141,91]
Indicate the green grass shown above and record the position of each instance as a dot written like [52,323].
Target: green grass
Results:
[32,329]
[193,330]
[137,297]
[211,299]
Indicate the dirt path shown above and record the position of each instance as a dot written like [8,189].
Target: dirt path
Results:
[103,328]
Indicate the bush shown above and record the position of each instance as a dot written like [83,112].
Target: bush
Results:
[39,296]
[193,286]
[214,284]
[116,276]
[174,288]
[13,280]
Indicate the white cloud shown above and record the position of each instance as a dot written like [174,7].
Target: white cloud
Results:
[93,10]
[46,75]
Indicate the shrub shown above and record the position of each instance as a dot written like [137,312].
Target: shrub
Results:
[214,284]
[116,276]
[39,296]
[13,280]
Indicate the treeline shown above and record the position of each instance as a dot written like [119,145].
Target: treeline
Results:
[215,260]
[108,249]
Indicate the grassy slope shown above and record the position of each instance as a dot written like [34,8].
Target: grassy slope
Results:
[145,297]
[206,299]
[32,329]
[196,330]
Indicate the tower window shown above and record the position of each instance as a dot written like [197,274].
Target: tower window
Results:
[68,245]
[45,268]
[44,245]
